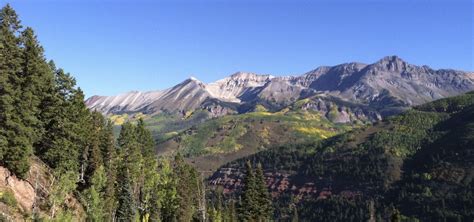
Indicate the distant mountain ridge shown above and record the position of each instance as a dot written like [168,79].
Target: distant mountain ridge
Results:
[388,85]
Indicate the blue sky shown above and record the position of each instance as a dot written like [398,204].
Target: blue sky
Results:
[118,46]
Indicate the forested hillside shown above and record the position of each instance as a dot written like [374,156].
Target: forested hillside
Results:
[61,162]
[417,165]
[210,143]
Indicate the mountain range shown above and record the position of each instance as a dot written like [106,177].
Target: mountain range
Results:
[389,86]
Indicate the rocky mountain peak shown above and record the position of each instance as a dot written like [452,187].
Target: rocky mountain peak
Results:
[392,63]
[250,76]
[193,81]
[192,78]
[393,59]
[349,67]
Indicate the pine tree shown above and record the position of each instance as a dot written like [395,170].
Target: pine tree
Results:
[65,124]
[94,157]
[187,189]
[256,203]
[126,206]
[130,152]
[48,107]
[37,81]
[15,143]
[110,163]
[248,204]
[145,139]
[81,127]
[264,200]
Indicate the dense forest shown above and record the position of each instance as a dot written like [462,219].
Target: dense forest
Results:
[43,115]
[417,166]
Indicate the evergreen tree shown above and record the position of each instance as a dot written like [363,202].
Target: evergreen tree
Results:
[126,206]
[110,163]
[36,84]
[248,204]
[15,141]
[130,152]
[81,127]
[256,203]
[48,107]
[187,189]
[146,141]
[94,157]
[265,210]
[65,126]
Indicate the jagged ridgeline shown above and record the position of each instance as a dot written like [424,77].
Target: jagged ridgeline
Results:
[60,162]
[416,165]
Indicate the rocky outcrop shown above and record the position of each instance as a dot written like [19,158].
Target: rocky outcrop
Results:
[238,86]
[22,190]
[339,111]
[31,193]
[217,111]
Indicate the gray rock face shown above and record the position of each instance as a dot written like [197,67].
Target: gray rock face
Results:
[411,84]
[339,111]
[387,86]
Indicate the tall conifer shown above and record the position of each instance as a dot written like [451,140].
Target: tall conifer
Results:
[248,203]
[15,142]
[37,78]
[131,153]
[264,200]
[126,207]
[110,163]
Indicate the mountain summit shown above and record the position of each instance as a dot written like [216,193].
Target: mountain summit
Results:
[387,85]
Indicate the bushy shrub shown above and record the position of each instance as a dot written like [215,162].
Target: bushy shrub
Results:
[8,198]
